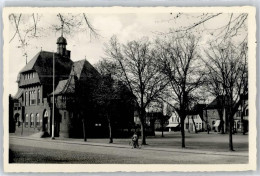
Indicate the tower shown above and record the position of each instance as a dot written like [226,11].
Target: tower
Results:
[61,45]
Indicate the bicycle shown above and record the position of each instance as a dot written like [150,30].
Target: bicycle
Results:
[135,145]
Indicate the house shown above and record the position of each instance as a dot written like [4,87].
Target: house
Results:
[174,122]
[212,114]
[217,107]
[73,88]
[241,116]
[194,121]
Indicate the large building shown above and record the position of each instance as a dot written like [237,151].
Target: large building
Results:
[75,86]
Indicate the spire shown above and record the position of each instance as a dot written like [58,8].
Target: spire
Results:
[62,30]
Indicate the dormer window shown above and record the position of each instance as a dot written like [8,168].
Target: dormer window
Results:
[29,75]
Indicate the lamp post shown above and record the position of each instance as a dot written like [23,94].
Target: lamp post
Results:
[52,126]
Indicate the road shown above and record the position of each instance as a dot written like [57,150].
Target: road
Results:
[23,150]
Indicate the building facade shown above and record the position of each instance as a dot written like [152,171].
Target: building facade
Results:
[74,88]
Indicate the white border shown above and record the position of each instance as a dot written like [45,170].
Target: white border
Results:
[133,167]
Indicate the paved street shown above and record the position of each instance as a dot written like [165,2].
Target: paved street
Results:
[33,150]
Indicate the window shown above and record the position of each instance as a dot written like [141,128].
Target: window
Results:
[187,126]
[246,113]
[25,99]
[26,120]
[63,99]
[37,119]
[238,124]
[32,120]
[46,114]
[33,97]
[38,96]
[29,93]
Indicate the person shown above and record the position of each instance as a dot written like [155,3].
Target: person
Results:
[135,140]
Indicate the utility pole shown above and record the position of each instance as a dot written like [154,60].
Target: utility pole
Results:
[53,101]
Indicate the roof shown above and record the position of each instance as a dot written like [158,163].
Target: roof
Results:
[18,94]
[65,86]
[197,109]
[173,125]
[30,64]
[42,63]
[61,40]
[60,87]
[217,102]
[77,68]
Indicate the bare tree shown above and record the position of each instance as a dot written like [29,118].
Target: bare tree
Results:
[29,26]
[233,25]
[228,64]
[105,97]
[136,68]
[213,85]
[180,64]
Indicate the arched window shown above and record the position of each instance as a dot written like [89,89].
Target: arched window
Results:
[46,114]
[37,119]
[26,120]
[31,120]
[38,96]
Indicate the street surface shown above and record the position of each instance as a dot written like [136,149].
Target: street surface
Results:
[35,150]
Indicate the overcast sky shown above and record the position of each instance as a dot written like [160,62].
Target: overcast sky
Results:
[126,26]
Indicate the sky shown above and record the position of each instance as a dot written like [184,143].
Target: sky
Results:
[126,27]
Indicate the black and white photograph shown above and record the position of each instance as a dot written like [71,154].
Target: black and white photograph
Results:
[172,87]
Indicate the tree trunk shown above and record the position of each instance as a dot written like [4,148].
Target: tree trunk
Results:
[222,126]
[194,124]
[189,125]
[143,133]
[221,122]
[242,121]
[110,132]
[142,120]
[182,132]
[230,134]
[152,126]
[162,129]
[22,129]
[84,130]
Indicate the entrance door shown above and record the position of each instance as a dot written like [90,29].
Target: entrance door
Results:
[45,121]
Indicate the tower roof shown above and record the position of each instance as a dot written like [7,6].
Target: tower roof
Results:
[61,40]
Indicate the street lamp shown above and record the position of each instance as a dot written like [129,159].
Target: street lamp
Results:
[52,126]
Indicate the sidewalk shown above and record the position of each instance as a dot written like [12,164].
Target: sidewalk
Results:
[146,147]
